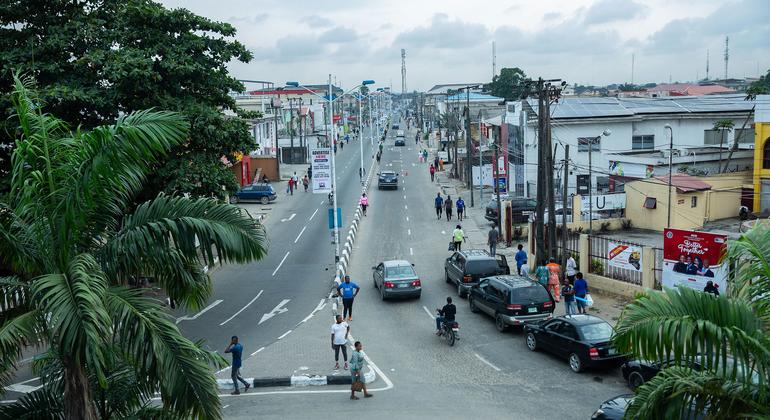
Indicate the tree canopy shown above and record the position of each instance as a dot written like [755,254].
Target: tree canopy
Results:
[95,60]
[509,84]
[759,87]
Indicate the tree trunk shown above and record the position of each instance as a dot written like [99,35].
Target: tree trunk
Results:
[77,393]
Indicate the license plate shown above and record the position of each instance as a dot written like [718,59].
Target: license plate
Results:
[532,310]
[612,352]
[401,285]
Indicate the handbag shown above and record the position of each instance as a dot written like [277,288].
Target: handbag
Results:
[357,386]
[451,246]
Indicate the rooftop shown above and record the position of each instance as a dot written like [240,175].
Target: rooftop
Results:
[685,183]
[474,97]
[443,89]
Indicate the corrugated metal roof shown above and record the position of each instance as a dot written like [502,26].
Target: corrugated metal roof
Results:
[685,183]
[473,96]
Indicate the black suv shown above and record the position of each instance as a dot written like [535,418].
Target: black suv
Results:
[466,268]
[511,300]
[521,207]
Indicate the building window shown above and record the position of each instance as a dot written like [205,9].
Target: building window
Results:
[650,202]
[594,142]
[766,155]
[744,135]
[602,184]
[694,202]
[646,142]
[713,137]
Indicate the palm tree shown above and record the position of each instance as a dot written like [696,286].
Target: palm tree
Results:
[727,335]
[73,239]
[724,126]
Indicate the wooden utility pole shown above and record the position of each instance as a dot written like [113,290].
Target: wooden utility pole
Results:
[540,253]
[564,255]
[550,188]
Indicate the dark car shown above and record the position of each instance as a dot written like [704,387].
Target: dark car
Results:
[520,207]
[387,179]
[615,409]
[511,300]
[396,279]
[637,372]
[584,340]
[466,268]
[395,126]
[400,141]
[264,193]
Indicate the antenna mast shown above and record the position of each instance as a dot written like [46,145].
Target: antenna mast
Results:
[403,71]
[707,64]
[727,55]
[494,61]
[633,56]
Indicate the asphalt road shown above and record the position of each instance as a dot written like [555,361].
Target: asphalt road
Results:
[487,374]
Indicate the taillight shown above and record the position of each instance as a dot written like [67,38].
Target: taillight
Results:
[467,279]
[416,283]
[388,285]
[513,307]
[547,304]
[593,352]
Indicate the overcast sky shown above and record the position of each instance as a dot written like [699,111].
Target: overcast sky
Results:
[450,41]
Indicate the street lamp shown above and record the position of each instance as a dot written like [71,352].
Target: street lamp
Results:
[670,163]
[330,100]
[605,133]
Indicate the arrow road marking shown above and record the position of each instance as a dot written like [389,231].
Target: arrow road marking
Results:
[242,309]
[190,318]
[290,217]
[279,309]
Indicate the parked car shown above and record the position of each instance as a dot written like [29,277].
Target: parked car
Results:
[584,340]
[521,207]
[264,193]
[637,372]
[400,133]
[615,409]
[387,179]
[396,279]
[466,268]
[395,126]
[511,300]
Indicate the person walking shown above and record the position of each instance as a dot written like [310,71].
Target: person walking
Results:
[291,185]
[305,182]
[361,173]
[441,164]
[432,171]
[520,257]
[439,204]
[236,349]
[553,279]
[541,273]
[349,291]
[363,202]
[460,205]
[492,237]
[448,204]
[568,293]
[435,162]
[425,155]
[524,271]
[357,372]
[570,269]
[340,331]
[581,290]
[457,237]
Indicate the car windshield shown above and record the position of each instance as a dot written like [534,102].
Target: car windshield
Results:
[399,272]
[481,267]
[531,293]
[599,331]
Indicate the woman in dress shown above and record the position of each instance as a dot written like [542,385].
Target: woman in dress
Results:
[357,371]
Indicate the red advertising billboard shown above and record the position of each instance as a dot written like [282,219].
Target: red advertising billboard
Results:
[692,258]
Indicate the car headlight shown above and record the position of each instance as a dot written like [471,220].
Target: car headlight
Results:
[597,413]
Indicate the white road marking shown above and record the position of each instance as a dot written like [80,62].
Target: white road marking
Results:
[320,306]
[300,234]
[279,309]
[258,350]
[281,263]
[284,334]
[225,406]
[404,197]
[428,312]
[289,218]
[407,218]
[322,201]
[406,208]
[203,311]
[311,217]
[486,362]
[410,251]
[443,232]
[307,318]
[242,309]
[409,231]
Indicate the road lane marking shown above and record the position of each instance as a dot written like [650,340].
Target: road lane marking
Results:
[409,231]
[279,309]
[410,251]
[311,217]
[404,197]
[486,362]
[406,208]
[225,406]
[407,218]
[300,234]
[428,312]
[242,309]
[290,217]
[203,311]
[284,334]
[281,263]
[258,350]
[307,318]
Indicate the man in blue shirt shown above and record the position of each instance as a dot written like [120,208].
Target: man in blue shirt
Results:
[521,258]
[439,205]
[235,372]
[349,291]
[581,290]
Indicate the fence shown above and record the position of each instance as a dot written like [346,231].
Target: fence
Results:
[599,248]
[573,245]
[657,269]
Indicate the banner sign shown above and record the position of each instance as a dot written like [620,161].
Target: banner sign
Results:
[693,258]
[624,256]
[605,202]
[322,170]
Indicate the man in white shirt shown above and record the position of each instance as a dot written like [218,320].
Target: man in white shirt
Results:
[571,269]
[340,331]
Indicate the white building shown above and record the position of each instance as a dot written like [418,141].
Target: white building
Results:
[636,125]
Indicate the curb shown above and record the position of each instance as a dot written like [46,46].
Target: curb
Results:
[298,380]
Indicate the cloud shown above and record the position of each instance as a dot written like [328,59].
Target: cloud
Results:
[338,35]
[316,21]
[551,16]
[444,33]
[249,19]
[605,11]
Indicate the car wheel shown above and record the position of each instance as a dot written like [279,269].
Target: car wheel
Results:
[635,380]
[446,277]
[472,304]
[531,341]
[460,290]
[499,323]
[575,363]
[418,296]
[234,199]
[264,200]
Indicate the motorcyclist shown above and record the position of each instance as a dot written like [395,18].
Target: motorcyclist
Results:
[446,314]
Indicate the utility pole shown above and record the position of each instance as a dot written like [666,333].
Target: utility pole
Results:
[496,182]
[540,253]
[468,141]
[670,164]
[564,211]
[551,92]
[591,186]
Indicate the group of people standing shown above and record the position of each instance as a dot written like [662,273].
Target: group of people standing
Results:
[340,331]
[447,207]
[294,182]
[574,289]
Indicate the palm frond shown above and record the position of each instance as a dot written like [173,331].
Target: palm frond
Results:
[16,333]
[41,404]
[18,244]
[162,357]
[750,278]
[14,295]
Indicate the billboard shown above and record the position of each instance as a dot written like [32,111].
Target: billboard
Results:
[693,258]
[604,201]
[322,170]
[624,256]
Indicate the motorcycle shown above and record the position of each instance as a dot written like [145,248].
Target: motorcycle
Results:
[331,198]
[450,331]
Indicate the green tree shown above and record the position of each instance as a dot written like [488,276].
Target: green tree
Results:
[727,335]
[509,84]
[95,60]
[759,87]
[73,239]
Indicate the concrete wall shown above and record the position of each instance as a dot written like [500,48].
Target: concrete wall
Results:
[612,286]
[268,164]
[683,215]
[761,176]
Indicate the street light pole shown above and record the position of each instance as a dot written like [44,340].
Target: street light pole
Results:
[334,176]
[360,137]
[670,164]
